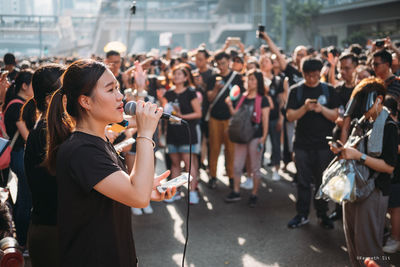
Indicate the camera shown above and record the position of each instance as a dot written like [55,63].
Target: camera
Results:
[261,28]
[379,42]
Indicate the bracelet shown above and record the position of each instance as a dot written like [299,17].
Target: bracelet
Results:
[147,138]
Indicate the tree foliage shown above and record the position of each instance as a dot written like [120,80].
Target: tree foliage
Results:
[299,15]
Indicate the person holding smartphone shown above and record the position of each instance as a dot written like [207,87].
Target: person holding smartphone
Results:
[95,192]
[253,149]
[314,106]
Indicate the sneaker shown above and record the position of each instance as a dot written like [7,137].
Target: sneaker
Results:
[233,197]
[325,222]
[298,221]
[252,201]
[194,197]
[248,184]
[336,215]
[391,246]
[148,209]
[212,183]
[177,196]
[231,183]
[137,211]
[275,176]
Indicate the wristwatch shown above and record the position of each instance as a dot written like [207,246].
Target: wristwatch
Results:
[363,158]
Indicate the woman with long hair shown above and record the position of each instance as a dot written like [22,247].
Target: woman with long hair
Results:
[15,98]
[94,191]
[186,105]
[252,150]
[42,234]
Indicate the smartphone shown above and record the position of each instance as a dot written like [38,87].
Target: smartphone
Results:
[313,101]
[119,127]
[261,28]
[233,40]
[379,42]
[176,182]
[260,147]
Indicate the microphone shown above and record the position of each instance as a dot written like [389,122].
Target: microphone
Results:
[130,109]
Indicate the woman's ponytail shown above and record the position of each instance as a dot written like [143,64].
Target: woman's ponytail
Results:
[59,128]
[29,113]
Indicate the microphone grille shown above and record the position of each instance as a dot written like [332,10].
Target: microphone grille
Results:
[130,108]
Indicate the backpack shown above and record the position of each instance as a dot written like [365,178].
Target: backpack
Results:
[244,123]
[5,144]
[325,92]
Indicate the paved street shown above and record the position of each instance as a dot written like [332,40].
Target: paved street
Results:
[235,235]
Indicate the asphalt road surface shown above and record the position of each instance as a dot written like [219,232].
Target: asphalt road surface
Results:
[234,234]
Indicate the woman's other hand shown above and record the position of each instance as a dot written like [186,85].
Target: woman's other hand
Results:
[147,117]
[157,196]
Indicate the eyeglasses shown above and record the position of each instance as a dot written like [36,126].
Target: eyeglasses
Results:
[376,64]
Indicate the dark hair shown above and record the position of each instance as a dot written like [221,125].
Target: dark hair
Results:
[23,77]
[353,57]
[220,55]
[260,80]
[80,78]
[204,51]
[384,55]
[391,103]
[9,59]
[310,64]
[356,49]
[45,81]
[112,53]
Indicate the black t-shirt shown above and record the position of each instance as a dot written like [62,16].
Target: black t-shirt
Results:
[206,76]
[10,119]
[43,186]
[220,111]
[293,74]
[275,88]
[389,155]
[264,104]
[177,134]
[313,128]
[396,173]
[344,94]
[94,230]
[393,87]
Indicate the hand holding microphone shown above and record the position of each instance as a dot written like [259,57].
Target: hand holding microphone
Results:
[131,106]
[147,117]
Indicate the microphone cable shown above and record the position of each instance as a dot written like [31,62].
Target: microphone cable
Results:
[188,195]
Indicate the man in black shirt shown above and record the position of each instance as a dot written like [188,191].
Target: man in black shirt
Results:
[314,106]
[347,65]
[113,61]
[10,66]
[381,64]
[219,116]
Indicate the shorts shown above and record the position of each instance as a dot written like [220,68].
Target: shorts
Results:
[183,149]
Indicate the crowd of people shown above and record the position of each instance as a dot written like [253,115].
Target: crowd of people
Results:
[55,110]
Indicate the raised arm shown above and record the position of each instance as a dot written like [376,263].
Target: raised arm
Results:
[275,50]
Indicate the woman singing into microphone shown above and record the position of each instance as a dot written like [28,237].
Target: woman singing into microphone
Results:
[94,191]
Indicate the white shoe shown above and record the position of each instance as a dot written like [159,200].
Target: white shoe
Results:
[248,184]
[194,197]
[177,196]
[275,176]
[148,209]
[391,246]
[136,211]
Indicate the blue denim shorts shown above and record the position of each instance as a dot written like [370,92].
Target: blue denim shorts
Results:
[183,149]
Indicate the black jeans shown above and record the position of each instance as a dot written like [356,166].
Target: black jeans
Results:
[310,165]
